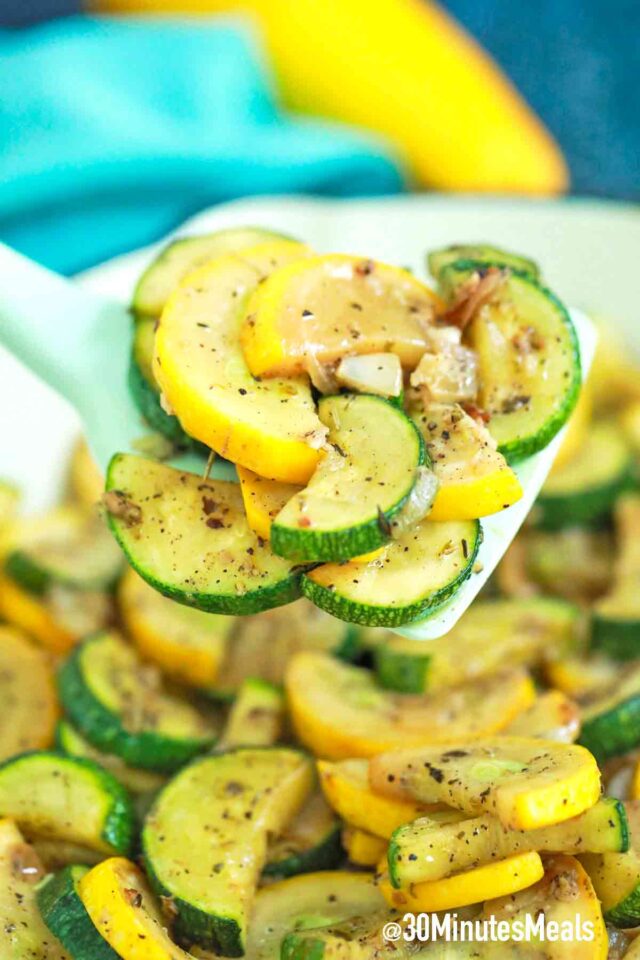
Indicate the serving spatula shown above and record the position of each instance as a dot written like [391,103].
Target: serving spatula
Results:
[79,344]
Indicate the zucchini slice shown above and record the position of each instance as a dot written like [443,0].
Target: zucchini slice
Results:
[574,563]
[310,842]
[429,849]
[66,916]
[437,260]
[363,849]
[256,717]
[23,933]
[616,617]
[318,310]
[338,711]
[413,576]
[27,694]
[616,877]
[227,805]
[346,786]
[528,355]
[552,716]
[190,540]
[189,646]
[611,718]
[68,547]
[120,705]
[493,634]
[358,936]
[526,783]
[585,490]
[117,898]
[65,798]
[308,901]
[57,619]
[73,744]
[359,486]
[262,645]
[86,481]
[263,499]
[474,479]
[496,879]
[180,257]
[566,899]
[269,426]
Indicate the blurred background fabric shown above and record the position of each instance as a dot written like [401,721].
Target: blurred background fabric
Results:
[115,130]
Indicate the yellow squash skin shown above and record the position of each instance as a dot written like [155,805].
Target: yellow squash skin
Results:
[364,849]
[30,614]
[405,69]
[118,900]
[472,886]
[27,694]
[346,788]
[263,499]
[270,427]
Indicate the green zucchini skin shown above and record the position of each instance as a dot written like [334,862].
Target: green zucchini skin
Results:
[147,400]
[324,856]
[119,827]
[66,916]
[626,913]
[521,447]
[373,615]
[586,509]
[103,728]
[614,732]
[20,568]
[619,639]
[437,260]
[318,546]
[405,672]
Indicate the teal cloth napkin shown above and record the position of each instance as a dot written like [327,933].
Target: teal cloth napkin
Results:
[115,131]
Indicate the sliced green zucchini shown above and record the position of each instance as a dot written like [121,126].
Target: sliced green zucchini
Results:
[584,491]
[228,806]
[262,645]
[616,876]
[71,742]
[185,254]
[305,902]
[23,934]
[615,626]
[256,716]
[121,706]
[189,538]
[432,848]
[145,391]
[437,260]
[414,575]
[66,798]
[69,547]
[528,355]
[356,937]
[364,479]
[611,719]
[65,915]
[574,563]
[310,842]
[493,634]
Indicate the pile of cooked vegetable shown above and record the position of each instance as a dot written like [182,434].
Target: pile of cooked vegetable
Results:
[177,783]
[372,421]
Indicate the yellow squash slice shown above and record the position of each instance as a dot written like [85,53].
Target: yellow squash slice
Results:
[524,781]
[86,481]
[318,310]
[186,644]
[346,787]
[473,886]
[338,711]
[27,695]
[263,499]
[474,478]
[23,934]
[553,716]
[270,427]
[364,849]
[118,900]
[34,615]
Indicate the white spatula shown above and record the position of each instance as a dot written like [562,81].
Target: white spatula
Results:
[79,344]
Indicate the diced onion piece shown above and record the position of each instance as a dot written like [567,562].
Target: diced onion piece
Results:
[379,373]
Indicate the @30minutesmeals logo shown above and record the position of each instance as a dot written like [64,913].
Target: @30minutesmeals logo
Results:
[450,928]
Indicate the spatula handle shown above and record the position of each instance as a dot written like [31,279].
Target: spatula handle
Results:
[46,321]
